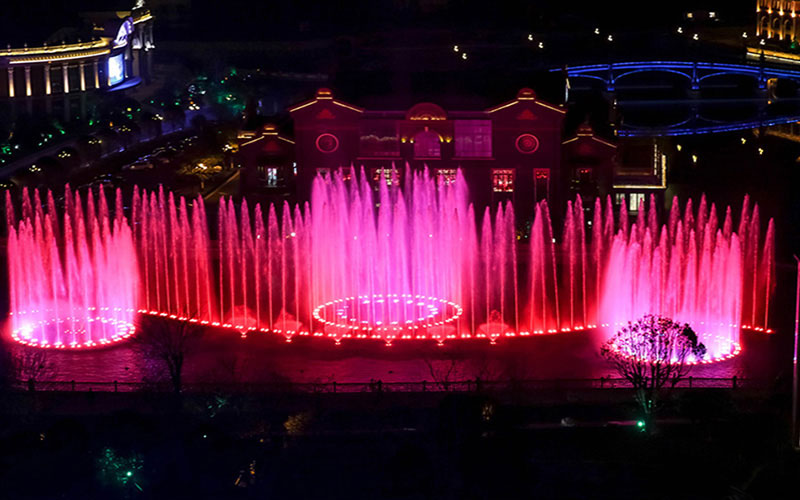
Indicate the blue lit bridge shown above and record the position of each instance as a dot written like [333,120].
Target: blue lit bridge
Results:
[695,73]
[691,110]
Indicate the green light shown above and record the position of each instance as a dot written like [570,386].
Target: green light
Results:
[129,473]
[640,423]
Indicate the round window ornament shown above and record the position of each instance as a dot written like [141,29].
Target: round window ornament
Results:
[527,143]
[327,143]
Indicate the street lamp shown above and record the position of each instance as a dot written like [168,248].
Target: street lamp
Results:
[795,423]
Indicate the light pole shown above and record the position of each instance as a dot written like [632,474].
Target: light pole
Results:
[795,423]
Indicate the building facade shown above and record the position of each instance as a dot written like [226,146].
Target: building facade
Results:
[514,151]
[777,19]
[508,152]
[42,79]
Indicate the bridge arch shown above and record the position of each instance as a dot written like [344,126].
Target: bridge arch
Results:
[653,70]
[727,84]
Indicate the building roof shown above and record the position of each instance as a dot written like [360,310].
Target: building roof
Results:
[35,22]
[397,107]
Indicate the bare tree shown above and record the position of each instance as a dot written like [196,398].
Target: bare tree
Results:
[33,365]
[651,352]
[450,368]
[444,372]
[168,342]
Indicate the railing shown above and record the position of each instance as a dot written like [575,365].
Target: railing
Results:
[377,386]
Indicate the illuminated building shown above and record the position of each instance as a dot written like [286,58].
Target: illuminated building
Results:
[513,151]
[508,152]
[118,55]
[777,19]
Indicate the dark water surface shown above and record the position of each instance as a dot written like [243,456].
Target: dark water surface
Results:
[222,356]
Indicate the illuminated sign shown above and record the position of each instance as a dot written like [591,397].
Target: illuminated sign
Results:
[116,69]
[124,32]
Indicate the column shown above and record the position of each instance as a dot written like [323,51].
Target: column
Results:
[136,62]
[65,73]
[28,81]
[47,87]
[127,59]
[96,75]
[83,76]
[11,81]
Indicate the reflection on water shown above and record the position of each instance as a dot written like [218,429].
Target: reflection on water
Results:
[223,357]
[708,115]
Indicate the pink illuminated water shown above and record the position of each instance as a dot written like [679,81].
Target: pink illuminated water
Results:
[409,259]
[73,275]
[692,269]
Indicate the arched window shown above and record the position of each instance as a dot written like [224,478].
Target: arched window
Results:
[764,26]
[426,145]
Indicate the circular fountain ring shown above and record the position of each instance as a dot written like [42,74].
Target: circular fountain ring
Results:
[389,315]
[731,350]
[105,330]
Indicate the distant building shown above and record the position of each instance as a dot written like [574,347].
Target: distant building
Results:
[268,157]
[777,19]
[777,31]
[513,151]
[116,54]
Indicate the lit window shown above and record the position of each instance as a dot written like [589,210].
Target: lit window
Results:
[272,177]
[619,198]
[503,180]
[445,176]
[634,200]
[473,138]
[541,183]
[426,145]
[388,175]
[378,138]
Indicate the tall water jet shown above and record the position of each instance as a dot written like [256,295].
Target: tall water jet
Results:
[73,282]
[692,271]
[406,257]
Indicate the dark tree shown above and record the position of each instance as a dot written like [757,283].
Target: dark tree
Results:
[650,353]
[168,342]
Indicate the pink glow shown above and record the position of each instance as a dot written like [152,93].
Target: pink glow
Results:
[346,265]
[692,270]
[73,279]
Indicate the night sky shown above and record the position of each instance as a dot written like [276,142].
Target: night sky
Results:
[35,21]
